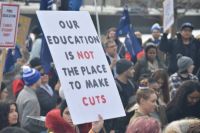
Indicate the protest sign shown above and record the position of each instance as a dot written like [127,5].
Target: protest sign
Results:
[23,28]
[168,7]
[80,61]
[8,25]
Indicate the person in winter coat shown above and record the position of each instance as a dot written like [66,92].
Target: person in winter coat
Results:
[185,44]
[186,102]
[185,69]
[27,101]
[149,63]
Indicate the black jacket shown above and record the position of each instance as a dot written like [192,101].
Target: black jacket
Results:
[175,46]
[46,101]
[176,113]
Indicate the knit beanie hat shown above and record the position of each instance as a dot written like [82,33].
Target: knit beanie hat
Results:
[183,62]
[30,75]
[155,26]
[123,65]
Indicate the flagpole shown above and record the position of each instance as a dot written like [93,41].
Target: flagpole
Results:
[97,18]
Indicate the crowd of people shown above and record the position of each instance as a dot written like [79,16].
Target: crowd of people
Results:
[159,90]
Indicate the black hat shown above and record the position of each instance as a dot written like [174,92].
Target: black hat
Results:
[35,62]
[187,25]
[123,65]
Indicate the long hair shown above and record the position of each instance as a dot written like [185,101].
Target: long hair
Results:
[180,100]
[4,113]
[162,74]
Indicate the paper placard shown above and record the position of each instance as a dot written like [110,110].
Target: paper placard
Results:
[8,25]
[80,61]
[168,7]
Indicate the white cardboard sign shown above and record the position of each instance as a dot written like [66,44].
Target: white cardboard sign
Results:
[80,61]
[168,6]
[8,25]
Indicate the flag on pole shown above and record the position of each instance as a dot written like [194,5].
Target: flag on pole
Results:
[132,44]
[45,55]
[124,23]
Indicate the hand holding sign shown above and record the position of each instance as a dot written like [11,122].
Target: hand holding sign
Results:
[97,125]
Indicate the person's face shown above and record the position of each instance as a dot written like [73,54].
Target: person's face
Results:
[156,34]
[160,82]
[190,69]
[149,105]
[112,49]
[186,33]
[130,72]
[193,98]
[112,35]
[13,115]
[67,117]
[151,54]
[4,94]
[44,77]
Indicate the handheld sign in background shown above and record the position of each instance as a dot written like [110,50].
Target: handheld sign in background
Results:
[168,6]
[81,64]
[8,25]
[23,28]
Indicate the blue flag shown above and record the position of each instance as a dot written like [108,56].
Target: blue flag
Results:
[46,4]
[11,59]
[124,24]
[74,5]
[132,44]
[128,44]
[45,56]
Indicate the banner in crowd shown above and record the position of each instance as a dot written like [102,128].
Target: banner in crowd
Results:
[81,64]
[168,7]
[23,28]
[8,25]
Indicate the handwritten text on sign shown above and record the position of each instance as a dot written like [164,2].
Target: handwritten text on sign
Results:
[81,64]
[9,24]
